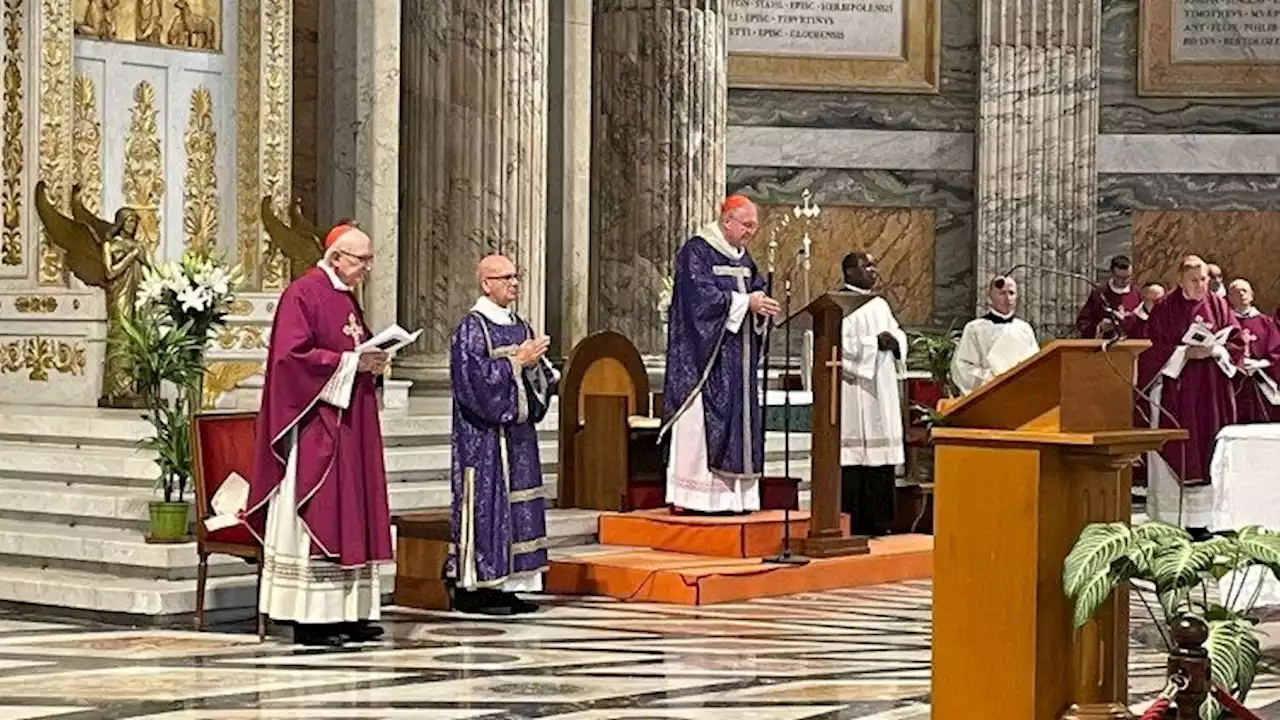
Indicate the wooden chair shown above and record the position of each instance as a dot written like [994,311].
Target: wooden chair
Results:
[222,443]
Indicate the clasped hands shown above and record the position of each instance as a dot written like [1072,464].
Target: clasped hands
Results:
[529,352]
[1198,352]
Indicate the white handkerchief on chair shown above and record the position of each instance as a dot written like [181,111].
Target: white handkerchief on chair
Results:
[228,503]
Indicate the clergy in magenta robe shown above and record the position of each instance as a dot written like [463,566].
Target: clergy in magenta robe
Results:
[502,386]
[872,444]
[318,495]
[1191,389]
[994,343]
[1111,303]
[1256,386]
[711,404]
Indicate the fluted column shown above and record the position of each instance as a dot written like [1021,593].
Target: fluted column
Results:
[473,159]
[657,159]
[1037,169]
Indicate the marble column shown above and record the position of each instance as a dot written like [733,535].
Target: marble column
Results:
[657,161]
[473,175]
[569,174]
[1037,168]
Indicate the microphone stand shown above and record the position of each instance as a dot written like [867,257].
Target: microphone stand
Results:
[785,556]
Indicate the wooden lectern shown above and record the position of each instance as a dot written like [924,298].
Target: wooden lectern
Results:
[826,539]
[1021,466]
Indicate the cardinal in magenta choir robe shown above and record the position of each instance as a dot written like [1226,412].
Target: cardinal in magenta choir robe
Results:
[1111,303]
[1135,326]
[318,495]
[1191,389]
[1256,385]
[502,387]
[711,403]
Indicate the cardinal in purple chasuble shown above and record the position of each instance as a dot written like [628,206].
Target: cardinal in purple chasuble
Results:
[711,403]
[502,387]
[1111,303]
[1192,389]
[1256,385]
[318,495]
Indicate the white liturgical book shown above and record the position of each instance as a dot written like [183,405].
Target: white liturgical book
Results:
[228,503]
[1198,335]
[389,340]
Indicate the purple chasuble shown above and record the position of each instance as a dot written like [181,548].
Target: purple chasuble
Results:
[1201,398]
[499,515]
[342,484]
[703,356]
[1095,309]
[1261,336]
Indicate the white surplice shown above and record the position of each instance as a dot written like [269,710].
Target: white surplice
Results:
[691,484]
[294,585]
[871,409]
[988,348]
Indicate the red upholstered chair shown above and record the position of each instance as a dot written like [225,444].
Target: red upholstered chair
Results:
[222,443]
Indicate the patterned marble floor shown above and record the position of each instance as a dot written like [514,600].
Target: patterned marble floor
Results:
[839,655]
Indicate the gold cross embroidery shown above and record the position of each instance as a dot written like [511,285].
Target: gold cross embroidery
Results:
[353,329]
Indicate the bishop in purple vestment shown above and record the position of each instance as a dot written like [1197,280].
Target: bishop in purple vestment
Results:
[1261,363]
[502,387]
[711,404]
[318,492]
[1191,389]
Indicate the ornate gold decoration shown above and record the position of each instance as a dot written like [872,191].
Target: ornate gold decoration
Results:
[55,123]
[917,71]
[200,183]
[106,255]
[275,140]
[223,376]
[87,138]
[40,356]
[301,244]
[188,24]
[11,200]
[248,224]
[241,307]
[242,337]
[36,303]
[143,170]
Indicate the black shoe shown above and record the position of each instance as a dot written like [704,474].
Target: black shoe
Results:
[318,635]
[362,631]
[482,601]
[518,606]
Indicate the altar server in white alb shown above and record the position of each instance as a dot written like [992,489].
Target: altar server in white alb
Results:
[871,439]
[995,342]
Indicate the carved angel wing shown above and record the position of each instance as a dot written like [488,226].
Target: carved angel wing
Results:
[103,228]
[301,224]
[301,249]
[82,244]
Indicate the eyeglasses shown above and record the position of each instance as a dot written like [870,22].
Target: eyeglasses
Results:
[512,277]
[366,260]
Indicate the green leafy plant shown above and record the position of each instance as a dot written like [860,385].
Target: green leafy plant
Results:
[1107,556]
[931,352]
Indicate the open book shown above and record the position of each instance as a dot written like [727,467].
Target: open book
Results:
[389,340]
[1199,335]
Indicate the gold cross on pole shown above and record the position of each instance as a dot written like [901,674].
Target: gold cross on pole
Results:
[836,366]
[352,329]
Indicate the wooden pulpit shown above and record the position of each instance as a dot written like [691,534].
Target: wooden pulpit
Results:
[1022,465]
[608,456]
[826,538]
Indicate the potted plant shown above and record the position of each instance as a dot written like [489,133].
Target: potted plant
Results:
[180,305]
[1186,575]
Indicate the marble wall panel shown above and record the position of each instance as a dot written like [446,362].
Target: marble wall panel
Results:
[1124,112]
[947,196]
[952,109]
[900,239]
[1122,196]
[1244,243]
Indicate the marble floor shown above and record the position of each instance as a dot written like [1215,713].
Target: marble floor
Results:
[839,655]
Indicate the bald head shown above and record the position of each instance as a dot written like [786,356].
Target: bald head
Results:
[350,253]
[498,278]
[1240,295]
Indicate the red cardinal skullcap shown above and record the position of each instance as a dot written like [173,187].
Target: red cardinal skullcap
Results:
[734,202]
[337,232]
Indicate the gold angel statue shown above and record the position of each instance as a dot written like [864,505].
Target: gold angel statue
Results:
[106,255]
[301,243]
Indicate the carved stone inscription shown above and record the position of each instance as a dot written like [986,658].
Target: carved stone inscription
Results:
[1226,30]
[870,29]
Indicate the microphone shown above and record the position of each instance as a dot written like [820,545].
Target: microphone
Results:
[1112,312]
